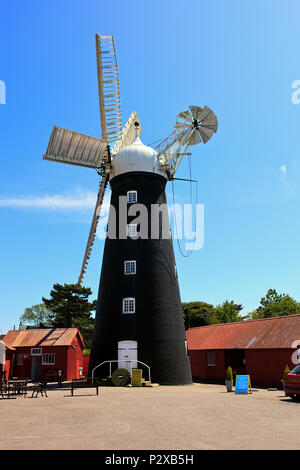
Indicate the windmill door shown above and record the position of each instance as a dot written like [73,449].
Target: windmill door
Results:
[127,351]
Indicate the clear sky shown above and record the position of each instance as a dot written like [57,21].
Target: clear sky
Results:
[238,57]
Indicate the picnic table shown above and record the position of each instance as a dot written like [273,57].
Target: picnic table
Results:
[17,387]
[13,388]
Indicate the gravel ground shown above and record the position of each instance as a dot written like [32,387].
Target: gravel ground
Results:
[197,416]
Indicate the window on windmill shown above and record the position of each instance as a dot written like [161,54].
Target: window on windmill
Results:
[211,359]
[131,230]
[130,267]
[131,197]
[48,359]
[129,305]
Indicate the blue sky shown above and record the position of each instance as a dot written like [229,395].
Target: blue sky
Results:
[239,58]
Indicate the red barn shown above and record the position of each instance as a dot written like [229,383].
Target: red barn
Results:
[261,348]
[45,351]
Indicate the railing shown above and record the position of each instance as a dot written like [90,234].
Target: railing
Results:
[123,360]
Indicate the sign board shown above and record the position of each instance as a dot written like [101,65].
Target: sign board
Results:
[136,377]
[243,384]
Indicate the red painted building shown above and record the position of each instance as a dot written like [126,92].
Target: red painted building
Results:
[6,358]
[40,352]
[86,360]
[261,348]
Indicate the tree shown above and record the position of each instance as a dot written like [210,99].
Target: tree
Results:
[228,312]
[198,314]
[37,315]
[275,305]
[71,308]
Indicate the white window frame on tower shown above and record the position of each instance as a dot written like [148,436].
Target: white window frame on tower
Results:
[132,197]
[129,267]
[128,305]
[131,230]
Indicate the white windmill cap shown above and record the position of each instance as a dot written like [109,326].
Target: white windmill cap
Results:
[135,157]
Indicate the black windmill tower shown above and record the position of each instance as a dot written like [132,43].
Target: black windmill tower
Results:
[139,318]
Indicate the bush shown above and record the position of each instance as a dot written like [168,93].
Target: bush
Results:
[229,374]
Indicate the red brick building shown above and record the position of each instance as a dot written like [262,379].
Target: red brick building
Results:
[260,348]
[42,351]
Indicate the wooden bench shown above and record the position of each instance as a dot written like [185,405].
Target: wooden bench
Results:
[53,377]
[84,383]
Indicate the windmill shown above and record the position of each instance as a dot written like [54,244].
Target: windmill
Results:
[139,313]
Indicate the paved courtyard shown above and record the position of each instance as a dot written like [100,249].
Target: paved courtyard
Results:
[197,416]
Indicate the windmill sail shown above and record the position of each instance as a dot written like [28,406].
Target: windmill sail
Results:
[93,229]
[128,133]
[70,147]
[108,88]
[111,123]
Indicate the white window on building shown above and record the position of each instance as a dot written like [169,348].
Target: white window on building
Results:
[131,197]
[20,359]
[211,359]
[129,305]
[36,351]
[130,267]
[48,359]
[131,230]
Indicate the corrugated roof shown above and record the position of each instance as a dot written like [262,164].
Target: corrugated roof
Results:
[43,337]
[7,347]
[266,333]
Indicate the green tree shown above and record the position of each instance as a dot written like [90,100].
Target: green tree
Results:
[275,305]
[198,314]
[37,315]
[71,308]
[252,315]
[228,312]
